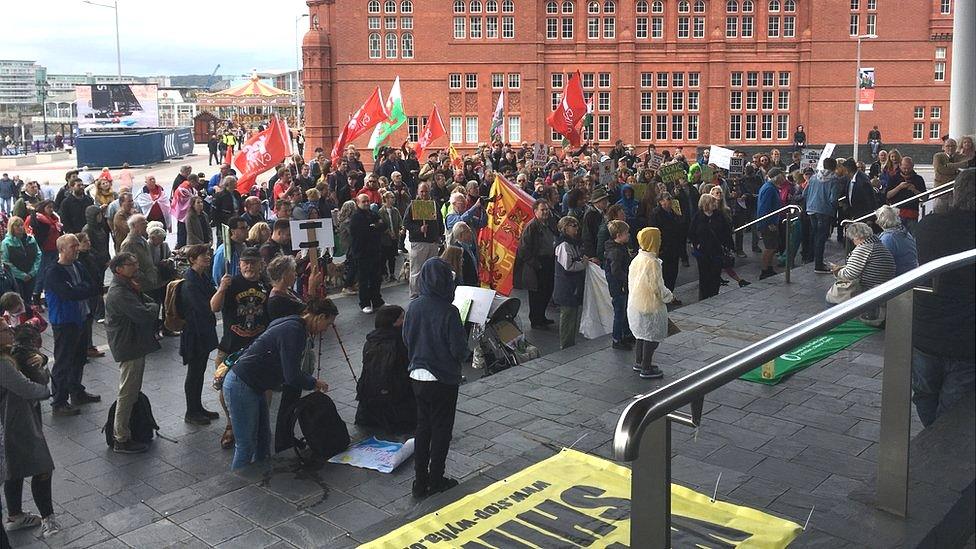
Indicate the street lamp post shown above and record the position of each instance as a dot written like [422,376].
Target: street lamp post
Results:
[298,70]
[857,91]
[118,49]
[43,90]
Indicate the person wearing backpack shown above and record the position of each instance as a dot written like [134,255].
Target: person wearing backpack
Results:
[272,360]
[130,321]
[385,397]
[199,335]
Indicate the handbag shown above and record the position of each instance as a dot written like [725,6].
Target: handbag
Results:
[842,290]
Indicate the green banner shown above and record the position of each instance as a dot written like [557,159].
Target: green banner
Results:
[812,351]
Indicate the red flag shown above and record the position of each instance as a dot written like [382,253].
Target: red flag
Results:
[371,113]
[261,152]
[508,211]
[229,155]
[432,131]
[571,110]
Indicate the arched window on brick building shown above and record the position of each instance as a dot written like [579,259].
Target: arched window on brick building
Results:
[406,6]
[373,6]
[491,6]
[475,6]
[732,6]
[567,7]
[747,6]
[508,6]
[390,6]
[458,6]
[684,6]
[391,46]
[407,45]
[699,6]
[641,27]
[374,45]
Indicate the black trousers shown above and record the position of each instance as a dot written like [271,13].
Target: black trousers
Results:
[13,490]
[540,297]
[196,368]
[26,291]
[181,234]
[284,438]
[709,277]
[669,271]
[436,405]
[644,352]
[213,158]
[389,259]
[369,273]
[70,354]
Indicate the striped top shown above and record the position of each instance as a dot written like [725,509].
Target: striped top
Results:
[870,264]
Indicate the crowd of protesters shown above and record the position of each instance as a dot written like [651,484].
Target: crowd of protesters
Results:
[630,213]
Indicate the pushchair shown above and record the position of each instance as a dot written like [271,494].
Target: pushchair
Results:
[501,343]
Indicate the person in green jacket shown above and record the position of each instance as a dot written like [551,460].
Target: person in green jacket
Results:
[21,254]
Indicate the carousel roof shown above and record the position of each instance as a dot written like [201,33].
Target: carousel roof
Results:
[252,93]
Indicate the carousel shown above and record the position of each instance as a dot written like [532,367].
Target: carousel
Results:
[250,104]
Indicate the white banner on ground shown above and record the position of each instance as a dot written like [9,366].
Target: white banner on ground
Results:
[379,455]
[720,156]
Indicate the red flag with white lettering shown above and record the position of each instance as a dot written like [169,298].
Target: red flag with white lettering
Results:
[371,113]
[432,131]
[261,152]
[571,110]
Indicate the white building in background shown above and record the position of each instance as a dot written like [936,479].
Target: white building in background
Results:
[176,110]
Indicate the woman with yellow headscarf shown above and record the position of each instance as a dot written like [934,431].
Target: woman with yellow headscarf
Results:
[646,310]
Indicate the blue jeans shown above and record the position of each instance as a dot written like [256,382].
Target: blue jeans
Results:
[821,225]
[249,416]
[620,326]
[939,382]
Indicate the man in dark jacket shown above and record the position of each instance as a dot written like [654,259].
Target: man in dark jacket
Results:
[535,263]
[857,188]
[212,146]
[365,228]
[72,210]
[616,265]
[436,344]
[425,238]
[592,218]
[130,326]
[68,288]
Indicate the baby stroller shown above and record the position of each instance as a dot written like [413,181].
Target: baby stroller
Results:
[501,344]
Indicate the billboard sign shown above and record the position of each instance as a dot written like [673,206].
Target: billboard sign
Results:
[117,106]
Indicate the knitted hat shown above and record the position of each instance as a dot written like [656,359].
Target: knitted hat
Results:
[649,239]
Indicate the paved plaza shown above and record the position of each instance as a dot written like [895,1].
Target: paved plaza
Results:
[808,441]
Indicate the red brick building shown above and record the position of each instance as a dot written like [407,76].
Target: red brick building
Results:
[670,72]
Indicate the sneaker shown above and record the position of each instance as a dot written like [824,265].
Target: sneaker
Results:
[196,418]
[85,398]
[65,410]
[368,310]
[442,485]
[652,373]
[621,346]
[419,489]
[822,270]
[21,521]
[129,447]
[49,526]
[723,282]
[743,283]
[637,367]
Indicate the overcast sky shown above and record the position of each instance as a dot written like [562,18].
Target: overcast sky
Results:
[158,37]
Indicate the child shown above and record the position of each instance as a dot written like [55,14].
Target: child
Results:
[645,303]
[385,397]
[616,264]
[567,290]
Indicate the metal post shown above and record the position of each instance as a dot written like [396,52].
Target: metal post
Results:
[118,47]
[857,98]
[896,407]
[650,488]
[789,253]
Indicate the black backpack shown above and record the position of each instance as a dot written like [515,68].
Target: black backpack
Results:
[324,434]
[142,424]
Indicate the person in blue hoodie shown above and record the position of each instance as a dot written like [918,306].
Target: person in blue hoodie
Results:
[436,345]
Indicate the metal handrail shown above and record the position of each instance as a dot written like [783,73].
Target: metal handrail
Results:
[793,213]
[931,193]
[689,389]
[792,208]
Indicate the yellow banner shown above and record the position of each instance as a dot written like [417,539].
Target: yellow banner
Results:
[577,500]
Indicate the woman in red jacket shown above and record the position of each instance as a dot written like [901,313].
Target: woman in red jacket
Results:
[46,227]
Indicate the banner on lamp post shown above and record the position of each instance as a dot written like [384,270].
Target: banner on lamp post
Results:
[865,89]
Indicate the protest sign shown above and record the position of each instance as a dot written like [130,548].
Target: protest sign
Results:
[810,158]
[423,210]
[640,189]
[825,154]
[372,453]
[672,173]
[539,155]
[720,156]
[737,167]
[605,169]
[311,233]
[654,161]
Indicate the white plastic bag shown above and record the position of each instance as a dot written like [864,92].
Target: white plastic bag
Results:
[597,314]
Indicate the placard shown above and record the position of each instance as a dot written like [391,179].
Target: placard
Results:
[640,190]
[539,155]
[825,154]
[324,237]
[737,167]
[720,156]
[672,173]
[708,172]
[605,169]
[423,210]
[480,302]
[654,161]
[810,158]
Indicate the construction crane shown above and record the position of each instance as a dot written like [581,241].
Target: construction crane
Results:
[213,77]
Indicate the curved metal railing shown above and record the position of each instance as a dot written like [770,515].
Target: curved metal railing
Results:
[931,193]
[642,434]
[792,214]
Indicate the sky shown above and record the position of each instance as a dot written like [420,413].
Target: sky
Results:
[157,37]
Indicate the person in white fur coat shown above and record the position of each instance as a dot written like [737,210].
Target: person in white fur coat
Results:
[646,309]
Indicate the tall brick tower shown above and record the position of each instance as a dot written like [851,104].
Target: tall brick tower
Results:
[318,76]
